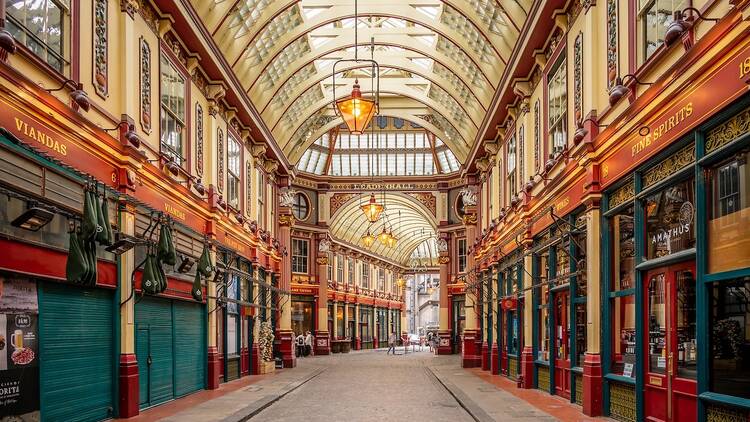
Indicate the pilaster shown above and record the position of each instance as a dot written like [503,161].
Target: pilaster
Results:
[128,373]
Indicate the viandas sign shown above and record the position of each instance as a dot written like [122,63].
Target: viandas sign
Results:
[19,349]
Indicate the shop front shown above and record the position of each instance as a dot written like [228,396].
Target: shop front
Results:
[366,324]
[458,318]
[302,314]
[509,278]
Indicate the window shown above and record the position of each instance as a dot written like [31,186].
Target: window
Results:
[299,256]
[232,317]
[234,158]
[381,279]
[729,219]
[261,217]
[543,292]
[172,111]
[670,220]
[339,269]
[461,255]
[351,271]
[730,330]
[558,105]
[622,291]
[512,157]
[656,15]
[301,207]
[365,275]
[40,26]
[329,267]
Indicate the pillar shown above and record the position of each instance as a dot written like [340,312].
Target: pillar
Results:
[214,362]
[493,301]
[336,334]
[357,338]
[470,353]
[527,354]
[128,373]
[346,332]
[592,362]
[444,331]
[284,332]
[485,300]
[322,345]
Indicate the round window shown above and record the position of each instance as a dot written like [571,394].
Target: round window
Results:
[301,207]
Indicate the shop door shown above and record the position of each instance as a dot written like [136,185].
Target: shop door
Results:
[76,353]
[153,350]
[561,348]
[669,331]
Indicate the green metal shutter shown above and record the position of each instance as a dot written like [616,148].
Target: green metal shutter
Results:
[76,353]
[155,315]
[190,352]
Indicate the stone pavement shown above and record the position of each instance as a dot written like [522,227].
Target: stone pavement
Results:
[369,386]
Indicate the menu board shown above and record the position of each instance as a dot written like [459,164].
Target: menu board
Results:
[19,349]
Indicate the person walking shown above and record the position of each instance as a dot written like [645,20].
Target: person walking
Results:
[300,341]
[308,344]
[392,343]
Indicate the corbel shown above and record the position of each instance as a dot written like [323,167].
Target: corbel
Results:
[165,25]
[540,58]
[258,150]
[192,63]
[561,20]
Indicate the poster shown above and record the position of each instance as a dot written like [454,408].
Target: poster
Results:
[19,350]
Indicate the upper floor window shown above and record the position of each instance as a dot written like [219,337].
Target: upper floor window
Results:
[234,157]
[300,208]
[299,256]
[40,26]
[172,111]
[512,159]
[558,105]
[365,275]
[330,266]
[339,268]
[461,255]
[261,217]
[655,16]
[351,270]
[381,279]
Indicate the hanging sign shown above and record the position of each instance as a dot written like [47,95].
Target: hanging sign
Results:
[19,349]
[509,303]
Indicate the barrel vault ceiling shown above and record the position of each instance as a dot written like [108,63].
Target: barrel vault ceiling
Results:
[440,61]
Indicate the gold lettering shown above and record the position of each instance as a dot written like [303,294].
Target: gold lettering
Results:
[19,124]
[659,131]
[41,137]
[177,213]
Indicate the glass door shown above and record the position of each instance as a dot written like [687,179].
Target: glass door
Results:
[561,349]
[669,338]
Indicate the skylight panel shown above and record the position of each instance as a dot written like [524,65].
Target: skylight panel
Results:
[318,41]
[321,164]
[311,12]
[422,62]
[426,39]
[430,11]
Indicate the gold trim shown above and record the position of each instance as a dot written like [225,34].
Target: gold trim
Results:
[670,166]
[470,219]
[622,195]
[444,260]
[728,131]
[286,220]
[322,260]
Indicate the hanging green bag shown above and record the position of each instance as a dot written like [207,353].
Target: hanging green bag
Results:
[167,253]
[102,220]
[89,247]
[197,290]
[205,267]
[76,266]
[162,275]
[89,222]
[149,280]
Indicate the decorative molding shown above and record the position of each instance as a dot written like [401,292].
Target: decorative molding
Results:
[145,85]
[521,157]
[286,220]
[322,260]
[199,140]
[669,166]
[427,199]
[537,130]
[444,260]
[248,186]
[469,219]
[338,200]
[612,42]
[131,7]
[728,131]
[101,57]
[220,160]
[578,78]
[622,195]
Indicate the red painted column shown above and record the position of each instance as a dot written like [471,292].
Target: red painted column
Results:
[214,368]
[527,368]
[284,331]
[472,337]
[485,356]
[322,344]
[494,359]
[592,384]
[129,392]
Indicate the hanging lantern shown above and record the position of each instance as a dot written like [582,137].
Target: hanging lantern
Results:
[372,209]
[368,239]
[400,282]
[356,111]
[392,240]
[383,237]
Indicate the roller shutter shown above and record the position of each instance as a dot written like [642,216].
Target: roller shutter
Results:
[190,350]
[76,351]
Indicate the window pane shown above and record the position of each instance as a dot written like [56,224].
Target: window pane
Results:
[729,220]
[730,338]
[670,220]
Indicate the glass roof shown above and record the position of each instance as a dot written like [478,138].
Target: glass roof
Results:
[440,63]
[398,149]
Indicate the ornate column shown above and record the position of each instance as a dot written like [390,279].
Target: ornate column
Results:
[486,319]
[527,353]
[322,345]
[357,338]
[128,378]
[470,353]
[592,362]
[284,332]
[444,332]
[335,334]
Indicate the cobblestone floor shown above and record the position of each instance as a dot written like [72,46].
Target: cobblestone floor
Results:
[369,386]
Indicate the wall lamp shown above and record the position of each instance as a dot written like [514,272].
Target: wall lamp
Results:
[78,95]
[240,218]
[169,162]
[130,134]
[7,42]
[33,219]
[195,183]
[679,25]
[123,243]
[186,263]
[620,90]
[581,131]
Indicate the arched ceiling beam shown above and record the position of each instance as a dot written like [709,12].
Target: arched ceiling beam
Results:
[375,8]
[420,90]
[295,151]
[457,143]
[298,83]
[480,86]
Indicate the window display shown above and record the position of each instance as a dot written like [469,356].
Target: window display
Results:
[729,215]
[302,316]
[730,337]
[622,302]
[670,220]
[543,353]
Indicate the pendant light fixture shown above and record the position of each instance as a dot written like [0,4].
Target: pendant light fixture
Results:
[356,110]
[372,209]
[368,239]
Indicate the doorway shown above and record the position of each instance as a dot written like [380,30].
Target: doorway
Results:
[561,348]
[670,342]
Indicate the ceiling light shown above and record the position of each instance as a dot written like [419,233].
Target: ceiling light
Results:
[368,239]
[372,209]
[383,237]
[33,219]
